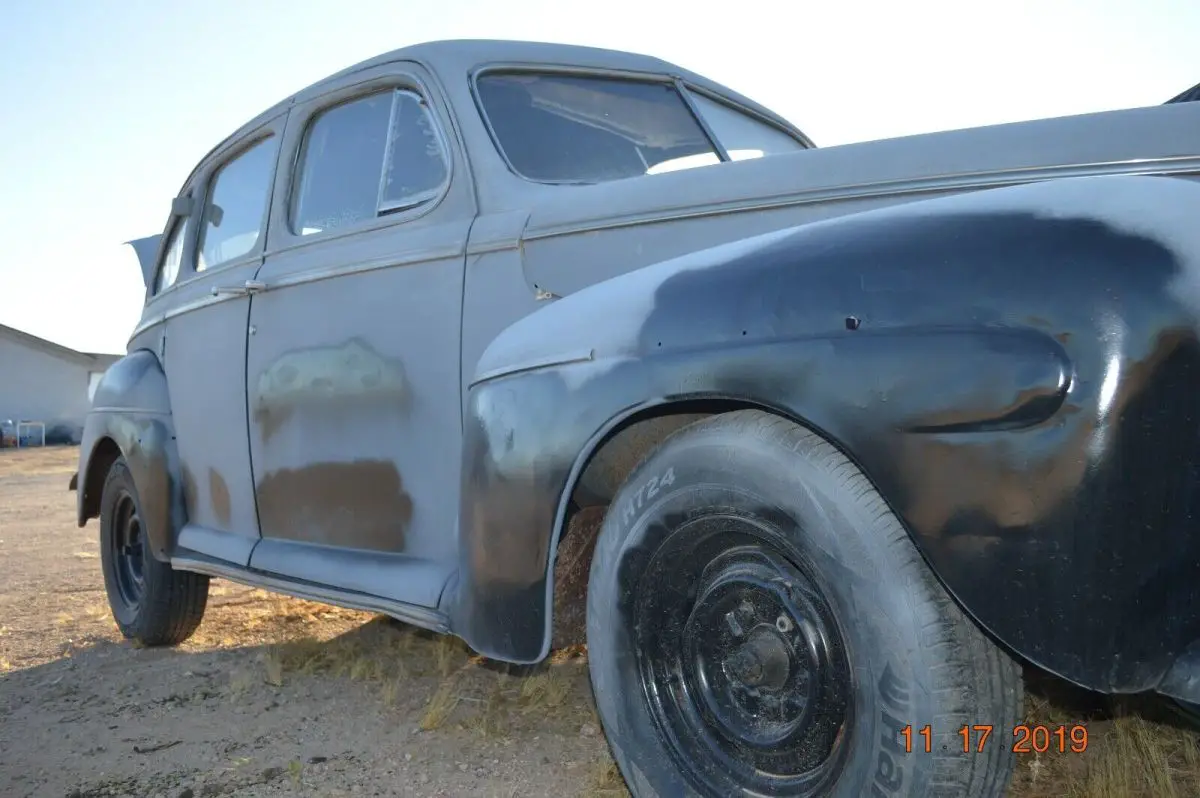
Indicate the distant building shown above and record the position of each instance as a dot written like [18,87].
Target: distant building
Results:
[43,381]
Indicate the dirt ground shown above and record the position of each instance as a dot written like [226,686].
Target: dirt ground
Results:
[276,696]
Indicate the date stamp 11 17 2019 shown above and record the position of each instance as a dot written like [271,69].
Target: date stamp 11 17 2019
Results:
[1026,739]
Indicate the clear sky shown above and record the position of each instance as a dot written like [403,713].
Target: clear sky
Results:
[109,103]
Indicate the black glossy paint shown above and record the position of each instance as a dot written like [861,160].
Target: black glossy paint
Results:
[131,411]
[1021,386]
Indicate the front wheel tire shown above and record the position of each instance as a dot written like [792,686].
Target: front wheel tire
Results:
[151,602]
[759,622]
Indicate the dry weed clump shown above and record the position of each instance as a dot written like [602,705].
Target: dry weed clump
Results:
[1135,747]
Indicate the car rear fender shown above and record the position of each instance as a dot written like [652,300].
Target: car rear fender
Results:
[131,418]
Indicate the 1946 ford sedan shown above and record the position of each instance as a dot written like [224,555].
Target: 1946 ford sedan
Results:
[536,344]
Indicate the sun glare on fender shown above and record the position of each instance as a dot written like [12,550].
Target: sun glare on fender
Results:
[702,159]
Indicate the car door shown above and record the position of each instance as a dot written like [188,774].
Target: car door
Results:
[353,352]
[204,356]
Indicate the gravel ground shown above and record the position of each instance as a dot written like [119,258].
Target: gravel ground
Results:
[272,696]
[276,696]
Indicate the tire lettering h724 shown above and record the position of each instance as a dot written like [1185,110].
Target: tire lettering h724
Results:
[647,490]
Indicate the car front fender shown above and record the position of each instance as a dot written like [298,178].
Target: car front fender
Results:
[131,417]
[1015,370]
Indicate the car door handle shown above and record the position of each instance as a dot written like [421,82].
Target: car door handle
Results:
[248,287]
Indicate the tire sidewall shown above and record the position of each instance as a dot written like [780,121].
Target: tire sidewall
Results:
[881,605]
[118,480]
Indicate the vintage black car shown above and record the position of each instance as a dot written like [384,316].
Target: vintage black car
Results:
[536,344]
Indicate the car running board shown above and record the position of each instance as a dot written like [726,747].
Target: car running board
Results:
[408,613]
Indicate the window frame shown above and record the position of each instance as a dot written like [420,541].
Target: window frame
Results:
[392,77]
[719,99]
[382,208]
[164,247]
[213,173]
[683,87]
[198,184]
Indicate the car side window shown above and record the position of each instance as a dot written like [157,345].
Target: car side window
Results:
[740,134]
[168,269]
[579,129]
[376,154]
[236,206]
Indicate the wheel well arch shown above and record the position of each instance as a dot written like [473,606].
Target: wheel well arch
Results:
[602,467]
[618,450]
[104,454]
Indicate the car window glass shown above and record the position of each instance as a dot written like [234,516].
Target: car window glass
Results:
[168,270]
[368,156]
[566,128]
[742,135]
[415,167]
[343,151]
[237,202]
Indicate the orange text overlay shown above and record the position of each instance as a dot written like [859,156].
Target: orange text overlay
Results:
[1025,739]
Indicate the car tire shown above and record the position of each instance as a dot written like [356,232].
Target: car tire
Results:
[759,622]
[151,602]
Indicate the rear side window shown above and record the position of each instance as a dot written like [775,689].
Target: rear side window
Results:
[377,154]
[168,270]
[236,206]
[570,129]
[574,129]
[740,134]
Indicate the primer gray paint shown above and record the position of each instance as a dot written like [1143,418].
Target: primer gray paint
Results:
[317,385]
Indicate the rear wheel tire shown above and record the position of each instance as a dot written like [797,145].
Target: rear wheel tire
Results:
[759,622]
[151,602]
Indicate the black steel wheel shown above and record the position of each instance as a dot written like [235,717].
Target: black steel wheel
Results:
[759,623]
[740,658]
[125,546]
[150,601]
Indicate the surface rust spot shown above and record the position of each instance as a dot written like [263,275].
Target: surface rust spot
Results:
[189,491]
[219,492]
[360,505]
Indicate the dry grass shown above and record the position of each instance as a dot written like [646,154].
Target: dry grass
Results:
[492,718]
[38,460]
[454,686]
[401,663]
[441,706]
[1135,747]
[605,781]
[545,691]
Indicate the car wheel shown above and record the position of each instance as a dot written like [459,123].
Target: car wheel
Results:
[760,623]
[151,602]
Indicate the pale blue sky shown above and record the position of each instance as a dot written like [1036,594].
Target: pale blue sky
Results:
[109,103]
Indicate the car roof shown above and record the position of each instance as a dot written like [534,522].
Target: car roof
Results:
[451,57]
[460,56]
